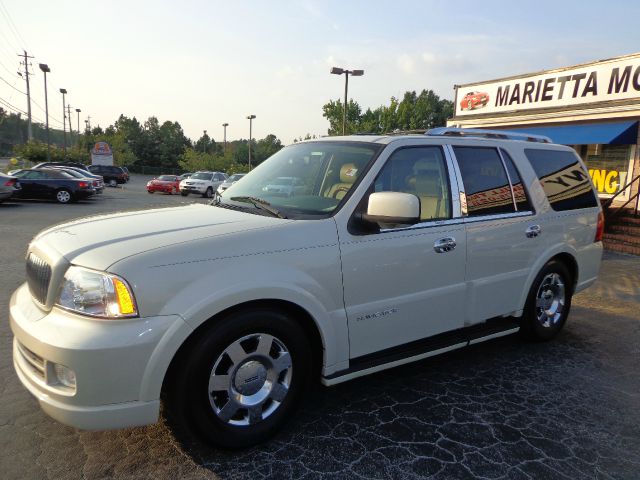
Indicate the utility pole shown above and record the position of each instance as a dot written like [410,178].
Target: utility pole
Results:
[78,112]
[26,77]
[89,122]
[204,142]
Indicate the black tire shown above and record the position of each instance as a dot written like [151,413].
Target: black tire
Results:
[149,191]
[208,193]
[539,323]
[184,194]
[189,406]
[64,196]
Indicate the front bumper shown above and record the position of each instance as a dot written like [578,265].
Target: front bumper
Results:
[115,363]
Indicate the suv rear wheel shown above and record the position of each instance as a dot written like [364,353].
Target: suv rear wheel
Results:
[548,303]
[241,380]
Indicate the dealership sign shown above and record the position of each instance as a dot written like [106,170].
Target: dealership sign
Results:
[615,79]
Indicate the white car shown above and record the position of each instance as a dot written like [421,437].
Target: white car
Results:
[405,247]
[202,183]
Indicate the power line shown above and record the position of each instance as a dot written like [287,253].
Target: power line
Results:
[14,29]
[12,86]
[12,107]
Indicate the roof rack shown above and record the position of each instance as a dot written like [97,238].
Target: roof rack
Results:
[478,132]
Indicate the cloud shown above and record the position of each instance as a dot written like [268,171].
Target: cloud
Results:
[406,63]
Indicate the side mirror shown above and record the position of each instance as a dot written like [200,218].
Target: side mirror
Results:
[393,208]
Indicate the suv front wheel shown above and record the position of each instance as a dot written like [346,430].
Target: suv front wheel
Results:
[548,303]
[241,380]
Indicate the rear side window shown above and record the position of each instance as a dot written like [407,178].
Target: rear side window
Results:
[485,181]
[564,181]
[519,192]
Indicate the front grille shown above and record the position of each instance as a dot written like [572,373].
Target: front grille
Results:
[38,277]
[34,362]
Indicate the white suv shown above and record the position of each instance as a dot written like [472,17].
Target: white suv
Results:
[203,183]
[396,249]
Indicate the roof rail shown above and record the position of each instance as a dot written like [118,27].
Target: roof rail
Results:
[479,132]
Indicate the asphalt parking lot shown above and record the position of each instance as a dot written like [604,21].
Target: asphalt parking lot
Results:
[568,409]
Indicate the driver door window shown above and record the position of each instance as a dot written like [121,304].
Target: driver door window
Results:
[420,171]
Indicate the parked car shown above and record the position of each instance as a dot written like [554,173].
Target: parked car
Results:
[61,164]
[113,176]
[230,181]
[9,186]
[185,175]
[284,186]
[53,183]
[474,100]
[404,246]
[164,183]
[203,183]
[96,180]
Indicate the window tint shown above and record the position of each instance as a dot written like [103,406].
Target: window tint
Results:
[421,171]
[564,180]
[519,192]
[485,181]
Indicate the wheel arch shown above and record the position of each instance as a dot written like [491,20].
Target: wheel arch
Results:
[305,319]
[559,253]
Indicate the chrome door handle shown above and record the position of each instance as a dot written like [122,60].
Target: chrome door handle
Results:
[533,231]
[444,245]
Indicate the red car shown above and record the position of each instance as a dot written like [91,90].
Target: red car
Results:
[473,100]
[164,183]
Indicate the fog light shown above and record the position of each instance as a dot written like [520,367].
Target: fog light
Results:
[66,376]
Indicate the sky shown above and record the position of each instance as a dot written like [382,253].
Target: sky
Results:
[204,63]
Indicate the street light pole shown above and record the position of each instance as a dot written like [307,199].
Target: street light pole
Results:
[250,118]
[63,91]
[78,112]
[225,125]
[204,142]
[45,69]
[354,73]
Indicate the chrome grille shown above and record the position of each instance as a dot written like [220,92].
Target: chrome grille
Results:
[33,361]
[38,277]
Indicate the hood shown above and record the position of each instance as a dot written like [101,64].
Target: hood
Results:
[100,241]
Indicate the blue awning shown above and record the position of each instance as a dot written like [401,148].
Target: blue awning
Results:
[619,133]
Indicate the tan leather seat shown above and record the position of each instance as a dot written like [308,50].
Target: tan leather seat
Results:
[425,184]
[348,174]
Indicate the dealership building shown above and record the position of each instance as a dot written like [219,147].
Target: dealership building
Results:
[593,107]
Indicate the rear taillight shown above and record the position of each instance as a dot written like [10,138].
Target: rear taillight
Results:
[10,183]
[95,183]
[83,184]
[600,228]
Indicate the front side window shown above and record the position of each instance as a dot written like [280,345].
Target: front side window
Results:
[304,180]
[564,180]
[421,171]
[485,181]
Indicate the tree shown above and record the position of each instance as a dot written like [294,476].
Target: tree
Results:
[332,111]
[413,112]
[205,144]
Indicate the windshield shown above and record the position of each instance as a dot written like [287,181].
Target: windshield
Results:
[201,176]
[305,179]
[166,178]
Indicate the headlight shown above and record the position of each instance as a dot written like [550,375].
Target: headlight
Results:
[97,294]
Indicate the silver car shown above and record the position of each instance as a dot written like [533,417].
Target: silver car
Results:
[230,181]
[8,186]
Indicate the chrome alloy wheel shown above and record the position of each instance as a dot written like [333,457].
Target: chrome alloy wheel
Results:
[550,300]
[250,379]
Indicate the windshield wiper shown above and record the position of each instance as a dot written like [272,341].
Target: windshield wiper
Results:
[260,204]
